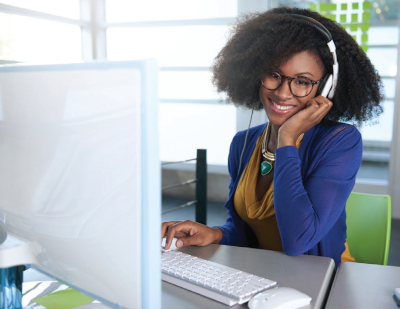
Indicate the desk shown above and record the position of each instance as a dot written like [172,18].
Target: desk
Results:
[309,274]
[364,286]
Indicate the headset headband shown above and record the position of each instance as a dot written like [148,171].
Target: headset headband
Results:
[315,24]
[329,41]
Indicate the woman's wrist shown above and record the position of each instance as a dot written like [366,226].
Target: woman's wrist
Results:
[285,139]
[217,235]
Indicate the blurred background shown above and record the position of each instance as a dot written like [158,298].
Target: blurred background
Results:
[185,36]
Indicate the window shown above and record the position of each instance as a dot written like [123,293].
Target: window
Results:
[131,11]
[64,8]
[27,39]
[172,46]
[28,35]
[185,127]
[184,37]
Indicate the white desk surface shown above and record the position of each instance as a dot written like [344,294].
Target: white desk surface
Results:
[309,274]
[364,286]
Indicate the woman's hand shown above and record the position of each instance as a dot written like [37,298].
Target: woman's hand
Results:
[311,115]
[189,233]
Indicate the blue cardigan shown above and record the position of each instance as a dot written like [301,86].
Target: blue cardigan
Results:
[311,187]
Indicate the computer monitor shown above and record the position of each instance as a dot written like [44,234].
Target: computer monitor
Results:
[80,177]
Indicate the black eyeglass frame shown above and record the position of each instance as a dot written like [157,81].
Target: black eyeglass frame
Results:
[289,78]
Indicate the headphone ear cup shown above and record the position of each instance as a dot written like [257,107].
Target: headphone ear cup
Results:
[326,92]
[322,84]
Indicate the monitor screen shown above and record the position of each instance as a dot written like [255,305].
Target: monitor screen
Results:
[80,176]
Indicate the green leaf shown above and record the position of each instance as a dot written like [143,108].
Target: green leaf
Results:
[364,48]
[343,6]
[353,27]
[364,27]
[323,7]
[367,5]
[343,18]
[313,7]
[65,299]
[332,17]
[354,18]
[366,16]
[332,7]
[354,5]
[364,38]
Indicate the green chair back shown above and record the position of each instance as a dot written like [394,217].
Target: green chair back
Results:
[368,227]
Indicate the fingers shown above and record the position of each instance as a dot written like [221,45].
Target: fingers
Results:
[188,233]
[314,111]
[318,107]
[190,241]
[179,229]
[312,102]
[165,226]
[324,107]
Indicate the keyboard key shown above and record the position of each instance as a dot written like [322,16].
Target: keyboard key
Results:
[248,294]
[239,295]
[256,278]
[209,283]
[224,280]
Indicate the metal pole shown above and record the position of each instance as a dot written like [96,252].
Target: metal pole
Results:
[166,163]
[201,186]
[180,207]
[179,184]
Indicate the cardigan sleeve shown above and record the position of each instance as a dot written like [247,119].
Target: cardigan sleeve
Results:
[307,209]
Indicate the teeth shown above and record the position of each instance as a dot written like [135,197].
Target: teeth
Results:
[281,106]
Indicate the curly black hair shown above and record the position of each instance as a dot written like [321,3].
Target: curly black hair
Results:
[261,42]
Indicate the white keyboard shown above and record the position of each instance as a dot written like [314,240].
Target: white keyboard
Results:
[221,283]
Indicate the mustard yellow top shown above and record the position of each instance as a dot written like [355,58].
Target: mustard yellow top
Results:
[260,214]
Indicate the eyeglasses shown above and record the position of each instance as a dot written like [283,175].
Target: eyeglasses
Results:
[301,87]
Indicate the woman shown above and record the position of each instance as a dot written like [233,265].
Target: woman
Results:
[291,177]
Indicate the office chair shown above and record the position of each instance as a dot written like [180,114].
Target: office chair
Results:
[368,227]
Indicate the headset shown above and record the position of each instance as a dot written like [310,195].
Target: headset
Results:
[328,83]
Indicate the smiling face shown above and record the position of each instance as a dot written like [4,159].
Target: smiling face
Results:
[281,104]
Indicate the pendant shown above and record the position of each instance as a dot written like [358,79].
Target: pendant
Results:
[266,167]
